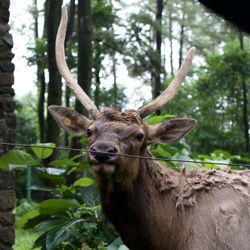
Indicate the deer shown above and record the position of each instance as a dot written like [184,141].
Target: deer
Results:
[154,207]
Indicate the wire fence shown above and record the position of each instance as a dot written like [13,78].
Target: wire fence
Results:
[219,163]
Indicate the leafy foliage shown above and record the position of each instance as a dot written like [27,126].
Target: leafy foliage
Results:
[44,151]
[216,101]
[24,240]
[15,158]
[73,216]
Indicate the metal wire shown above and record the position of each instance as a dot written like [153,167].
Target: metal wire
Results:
[130,156]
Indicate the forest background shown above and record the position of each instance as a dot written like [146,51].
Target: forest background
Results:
[124,53]
[141,49]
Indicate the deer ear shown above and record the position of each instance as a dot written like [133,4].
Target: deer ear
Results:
[170,131]
[71,121]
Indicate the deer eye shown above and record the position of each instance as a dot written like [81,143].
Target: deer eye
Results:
[139,137]
[89,132]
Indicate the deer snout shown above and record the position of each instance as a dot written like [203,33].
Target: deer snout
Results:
[103,153]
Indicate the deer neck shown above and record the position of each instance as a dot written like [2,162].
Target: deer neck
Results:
[151,179]
[140,208]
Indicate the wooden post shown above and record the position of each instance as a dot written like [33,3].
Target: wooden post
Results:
[7,129]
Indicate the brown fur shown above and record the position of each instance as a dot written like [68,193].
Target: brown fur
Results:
[203,209]
[156,208]
[110,115]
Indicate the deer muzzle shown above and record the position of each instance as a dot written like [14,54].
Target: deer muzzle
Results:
[101,152]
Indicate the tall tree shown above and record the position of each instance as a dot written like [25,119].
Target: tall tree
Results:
[68,38]
[171,42]
[158,39]
[245,101]
[84,66]
[40,63]
[98,57]
[69,33]
[84,31]
[55,85]
[182,32]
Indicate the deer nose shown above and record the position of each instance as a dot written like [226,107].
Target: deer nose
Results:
[103,152]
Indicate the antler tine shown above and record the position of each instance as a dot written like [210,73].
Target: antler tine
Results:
[171,90]
[64,70]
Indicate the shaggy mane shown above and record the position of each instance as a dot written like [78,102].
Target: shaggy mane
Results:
[186,185]
[125,117]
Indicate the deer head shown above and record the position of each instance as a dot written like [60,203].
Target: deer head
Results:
[112,133]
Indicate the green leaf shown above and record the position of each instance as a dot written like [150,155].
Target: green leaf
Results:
[84,182]
[91,196]
[26,217]
[123,247]
[160,151]
[222,153]
[43,152]
[40,240]
[117,244]
[16,157]
[42,188]
[61,233]
[243,160]
[93,209]
[158,118]
[55,178]
[50,222]
[52,206]
[33,222]
[63,163]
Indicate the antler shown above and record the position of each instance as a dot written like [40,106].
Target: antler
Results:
[171,90]
[64,70]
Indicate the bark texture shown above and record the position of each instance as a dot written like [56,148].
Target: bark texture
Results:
[157,76]
[7,129]
[84,68]
[55,85]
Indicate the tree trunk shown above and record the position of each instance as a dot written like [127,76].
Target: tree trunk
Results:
[115,90]
[181,41]
[245,103]
[71,19]
[70,29]
[40,79]
[97,65]
[7,130]
[84,32]
[171,43]
[157,82]
[97,87]
[84,49]
[55,85]
[41,101]
[157,74]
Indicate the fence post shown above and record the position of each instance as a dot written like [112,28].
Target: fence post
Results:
[28,182]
